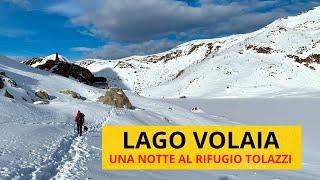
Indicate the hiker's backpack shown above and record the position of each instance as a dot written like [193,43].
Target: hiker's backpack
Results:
[81,119]
[76,119]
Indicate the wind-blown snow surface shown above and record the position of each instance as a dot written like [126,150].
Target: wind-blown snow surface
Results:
[247,65]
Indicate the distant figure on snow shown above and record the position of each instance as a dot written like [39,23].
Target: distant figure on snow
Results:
[79,120]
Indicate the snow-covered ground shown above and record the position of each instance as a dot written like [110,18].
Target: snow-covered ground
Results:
[38,141]
[253,111]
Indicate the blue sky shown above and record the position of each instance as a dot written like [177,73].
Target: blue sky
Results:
[36,32]
[112,29]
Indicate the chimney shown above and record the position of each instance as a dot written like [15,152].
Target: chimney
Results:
[57,57]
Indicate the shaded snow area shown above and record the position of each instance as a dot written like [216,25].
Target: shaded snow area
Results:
[268,77]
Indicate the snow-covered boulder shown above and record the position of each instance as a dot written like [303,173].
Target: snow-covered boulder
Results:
[115,97]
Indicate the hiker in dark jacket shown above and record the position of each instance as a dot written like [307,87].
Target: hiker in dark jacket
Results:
[79,119]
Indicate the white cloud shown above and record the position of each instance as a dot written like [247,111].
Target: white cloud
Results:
[128,20]
[81,49]
[117,50]
[133,26]
[137,21]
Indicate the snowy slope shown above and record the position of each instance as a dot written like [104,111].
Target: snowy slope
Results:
[39,142]
[141,72]
[261,63]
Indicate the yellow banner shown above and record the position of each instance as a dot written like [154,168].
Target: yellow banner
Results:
[201,147]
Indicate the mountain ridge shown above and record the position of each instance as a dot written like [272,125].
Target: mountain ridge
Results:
[285,51]
[280,57]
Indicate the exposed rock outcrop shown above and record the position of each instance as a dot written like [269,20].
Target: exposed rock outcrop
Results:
[59,65]
[262,50]
[33,61]
[115,97]
[313,58]
[179,73]
[194,47]
[71,93]
[42,95]
[7,94]
[68,69]
[12,83]
[1,83]
[2,74]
